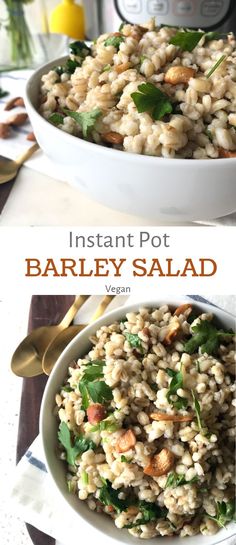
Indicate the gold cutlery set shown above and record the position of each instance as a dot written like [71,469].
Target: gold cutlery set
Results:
[39,351]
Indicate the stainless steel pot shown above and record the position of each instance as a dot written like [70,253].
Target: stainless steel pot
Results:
[106,15]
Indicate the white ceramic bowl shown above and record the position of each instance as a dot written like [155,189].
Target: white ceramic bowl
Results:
[165,190]
[49,426]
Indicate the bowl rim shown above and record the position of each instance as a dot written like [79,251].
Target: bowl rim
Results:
[107,318]
[103,150]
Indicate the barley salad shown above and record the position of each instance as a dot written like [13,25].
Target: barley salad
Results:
[147,423]
[164,92]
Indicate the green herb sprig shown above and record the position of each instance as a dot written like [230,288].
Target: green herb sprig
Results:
[197,409]
[91,387]
[81,444]
[149,512]
[115,41]
[134,340]
[206,337]
[175,384]
[225,512]
[109,496]
[152,100]
[187,40]
[216,66]
[175,479]
[86,120]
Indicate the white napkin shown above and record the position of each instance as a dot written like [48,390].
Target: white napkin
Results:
[33,492]
[15,82]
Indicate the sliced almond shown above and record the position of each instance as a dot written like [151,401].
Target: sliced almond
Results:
[119,68]
[4,130]
[137,32]
[31,137]
[160,464]
[13,102]
[159,417]
[113,137]
[179,74]
[226,154]
[126,441]
[17,119]
[182,309]
[171,333]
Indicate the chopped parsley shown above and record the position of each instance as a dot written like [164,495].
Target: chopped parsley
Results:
[134,340]
[66,388]
[175,384]
[197,409]
[108,424]
[125,460]
[109,496]
[187,40]
[56,119]
[80,49]
[148,512]
[107,68]
[81,444]
[84,477]
[175,479]
[206,337]
[91,387]
[115,41]
[122,25]
[152,100]
[216,65]
[86,120]
[225,512]
[93,370]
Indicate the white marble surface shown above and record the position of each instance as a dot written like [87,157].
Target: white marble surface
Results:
[37,199]
[13,321]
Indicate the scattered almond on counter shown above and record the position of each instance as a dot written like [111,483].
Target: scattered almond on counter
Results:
[13,103]
[179,74]
[31,137]
[160,464]
[4,130]
[17,119]
[126,441]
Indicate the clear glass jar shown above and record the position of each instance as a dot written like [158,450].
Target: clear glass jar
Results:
[25,40]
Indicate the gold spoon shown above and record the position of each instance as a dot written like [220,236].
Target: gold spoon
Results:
[27,359]
[58,344]
[10,167]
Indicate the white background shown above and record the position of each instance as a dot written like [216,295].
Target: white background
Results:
[217,243]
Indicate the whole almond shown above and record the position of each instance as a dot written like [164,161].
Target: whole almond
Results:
[179,74]
[31,137]
[17,119]
[182,309]
[4,130]
[126,441]
[160,464]
[13,102]
[226,154]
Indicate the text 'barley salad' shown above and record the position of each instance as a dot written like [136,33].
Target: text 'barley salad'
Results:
[149,90]
[147,423]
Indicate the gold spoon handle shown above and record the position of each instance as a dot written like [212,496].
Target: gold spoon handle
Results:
[26,155]
[101,308]
[71,313]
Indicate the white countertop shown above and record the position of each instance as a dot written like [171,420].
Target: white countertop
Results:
[37,199]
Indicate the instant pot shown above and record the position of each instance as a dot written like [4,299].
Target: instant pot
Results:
[106,15]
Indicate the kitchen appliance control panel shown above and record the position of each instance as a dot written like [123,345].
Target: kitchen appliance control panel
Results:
[188,13]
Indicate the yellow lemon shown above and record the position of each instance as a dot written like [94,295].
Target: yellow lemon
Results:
[68,18]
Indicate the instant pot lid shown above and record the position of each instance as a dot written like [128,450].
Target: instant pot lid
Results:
[187,13]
